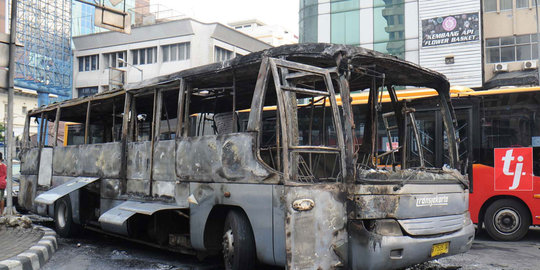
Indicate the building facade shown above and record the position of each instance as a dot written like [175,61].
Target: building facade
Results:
[437,34]
[511,47]
[274,35]
[151,51]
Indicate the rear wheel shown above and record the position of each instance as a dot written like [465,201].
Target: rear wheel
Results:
[63,217]
[507,220]
[238,242]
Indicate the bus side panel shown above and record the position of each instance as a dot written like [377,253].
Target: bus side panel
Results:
[315,226]
[100,160]
[483,190]
[254,199]
[222,158]
[163,174]
[27,191]
[29,161]
[138,168]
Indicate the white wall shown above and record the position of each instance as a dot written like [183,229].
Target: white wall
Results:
[467,68]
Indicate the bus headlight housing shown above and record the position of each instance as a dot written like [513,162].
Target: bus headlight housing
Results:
[386,227]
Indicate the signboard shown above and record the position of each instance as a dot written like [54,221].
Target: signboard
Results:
[513,169]
[450,29]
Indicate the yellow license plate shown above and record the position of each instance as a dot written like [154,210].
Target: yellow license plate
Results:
[439,249]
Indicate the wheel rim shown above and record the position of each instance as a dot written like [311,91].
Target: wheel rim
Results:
[507,221]
[228,248]
[61,216]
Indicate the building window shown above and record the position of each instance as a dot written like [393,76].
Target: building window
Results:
[87,91]
[88,63]
[176,52]
[144,56]
[111,59]
[309,13]
[506,5]
[490,5]
[345,22]
[512,48]
[24,109]
[221,54]
[522,3]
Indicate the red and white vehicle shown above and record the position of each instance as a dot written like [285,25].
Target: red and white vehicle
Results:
[500,135]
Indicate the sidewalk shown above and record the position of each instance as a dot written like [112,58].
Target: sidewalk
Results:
[23,245]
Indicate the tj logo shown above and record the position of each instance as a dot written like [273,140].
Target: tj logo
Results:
[508,158]
[513,169]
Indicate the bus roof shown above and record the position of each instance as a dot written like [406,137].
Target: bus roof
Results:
[244,70]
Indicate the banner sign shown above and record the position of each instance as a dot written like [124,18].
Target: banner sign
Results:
[450,29]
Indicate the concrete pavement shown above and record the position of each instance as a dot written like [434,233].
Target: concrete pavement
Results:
[24,246]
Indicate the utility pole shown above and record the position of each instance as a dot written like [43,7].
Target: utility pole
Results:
[10,83]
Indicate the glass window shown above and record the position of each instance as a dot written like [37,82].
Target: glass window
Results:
[492,42]
[174,52]
[142,57]
[95,64]
[345,22]
[221,54]
[506,4]
[135,57]
[81,63]
[490,5]
[165,53]
[309,13]
[507,40]
[150,54]
[493,55]
[86,63]
[522,3]
[508,54]
[524,39]
[389,28]
[523,52]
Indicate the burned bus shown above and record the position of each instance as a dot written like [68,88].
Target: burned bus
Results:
[172,162]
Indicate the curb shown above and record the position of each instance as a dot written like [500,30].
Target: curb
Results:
[36,256]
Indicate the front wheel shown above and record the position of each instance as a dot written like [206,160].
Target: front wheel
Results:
[63,217]
[238,242]
[507,220]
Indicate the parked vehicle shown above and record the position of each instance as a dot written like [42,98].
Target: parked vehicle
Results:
[172,163]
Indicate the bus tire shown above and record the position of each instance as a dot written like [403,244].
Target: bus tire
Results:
[63,218]
[507,220]
[238,242]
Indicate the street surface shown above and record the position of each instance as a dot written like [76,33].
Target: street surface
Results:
[98,251]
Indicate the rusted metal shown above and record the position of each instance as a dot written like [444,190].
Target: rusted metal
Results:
[315,225]
[87,122]
[55,128]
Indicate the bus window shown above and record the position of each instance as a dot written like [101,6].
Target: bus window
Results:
[142,111]
[168,116]
[506,123]
[105,120]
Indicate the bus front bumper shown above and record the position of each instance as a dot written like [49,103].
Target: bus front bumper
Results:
[368,250]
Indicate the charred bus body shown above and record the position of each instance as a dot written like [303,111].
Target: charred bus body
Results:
[305,190]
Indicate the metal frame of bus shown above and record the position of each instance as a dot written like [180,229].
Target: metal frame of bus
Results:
[181,193]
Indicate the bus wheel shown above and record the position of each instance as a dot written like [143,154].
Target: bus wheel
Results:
[238,242]
[507,220]
[63,218]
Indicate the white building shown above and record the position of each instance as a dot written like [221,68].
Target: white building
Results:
[274,35]
[154,50]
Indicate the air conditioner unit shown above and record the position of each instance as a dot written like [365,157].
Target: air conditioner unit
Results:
[500,67]
[529,65]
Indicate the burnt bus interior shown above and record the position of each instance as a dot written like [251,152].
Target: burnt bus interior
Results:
[258,95]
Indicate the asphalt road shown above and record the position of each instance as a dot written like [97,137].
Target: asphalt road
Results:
[96,251]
